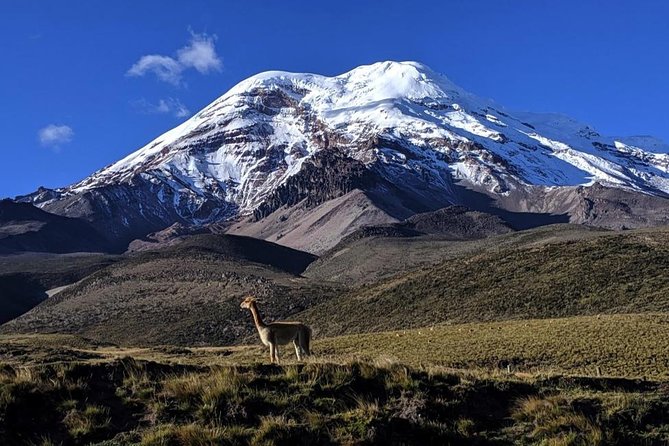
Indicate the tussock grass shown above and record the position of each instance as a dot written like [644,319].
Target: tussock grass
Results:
[84,422]
[189,434]
[127,401]
[553,421]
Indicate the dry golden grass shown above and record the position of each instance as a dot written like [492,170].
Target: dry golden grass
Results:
[606,345]
[611,345]
[552,421]
[516,382]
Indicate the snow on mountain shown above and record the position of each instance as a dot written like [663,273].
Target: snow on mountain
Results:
[410,125]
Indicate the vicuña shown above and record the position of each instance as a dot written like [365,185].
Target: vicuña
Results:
[280,333]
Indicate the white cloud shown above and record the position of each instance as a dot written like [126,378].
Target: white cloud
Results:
[199,54]
[171,106]
[55,135]
[164,67]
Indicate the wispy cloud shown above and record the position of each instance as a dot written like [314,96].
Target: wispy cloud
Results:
[54,136]
[199,54]
[163,67]
[171,106]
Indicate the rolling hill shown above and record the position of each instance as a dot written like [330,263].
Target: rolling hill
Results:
[188,293]
[522,277]
[184,293]
[26,228]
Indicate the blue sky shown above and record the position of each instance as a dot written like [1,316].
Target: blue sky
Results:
[77,92]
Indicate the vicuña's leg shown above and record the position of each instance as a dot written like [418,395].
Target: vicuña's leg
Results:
[272,353]
[276,354]
[298,349]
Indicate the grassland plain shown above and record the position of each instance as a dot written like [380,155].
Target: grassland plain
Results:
[96,399]
[632,346]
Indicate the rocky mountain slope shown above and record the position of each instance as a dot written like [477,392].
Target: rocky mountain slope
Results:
[382,142]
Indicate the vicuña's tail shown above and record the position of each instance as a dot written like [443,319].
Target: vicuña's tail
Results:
[307,340]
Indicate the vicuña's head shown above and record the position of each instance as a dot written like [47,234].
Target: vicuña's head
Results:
[248,301]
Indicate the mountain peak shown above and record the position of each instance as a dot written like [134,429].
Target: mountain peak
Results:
[391,69]
[362,85]
[398,129]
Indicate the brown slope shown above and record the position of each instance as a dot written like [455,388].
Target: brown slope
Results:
[25,279]
[187,293]
[316,229]
[366,260]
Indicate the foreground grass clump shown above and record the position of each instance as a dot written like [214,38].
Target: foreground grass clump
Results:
[194,434]
[554,421]
[147,403]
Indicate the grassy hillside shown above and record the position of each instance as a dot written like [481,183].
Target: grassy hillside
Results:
[183,294]
[26,278]
[611,345]
[619,273]
[360,261]
[241,248]
[94,400]
[189,293]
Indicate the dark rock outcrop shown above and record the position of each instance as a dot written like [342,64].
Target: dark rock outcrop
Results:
[329,174]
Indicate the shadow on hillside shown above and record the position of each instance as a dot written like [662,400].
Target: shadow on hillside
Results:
[518,220]
[410,204]
[19,294]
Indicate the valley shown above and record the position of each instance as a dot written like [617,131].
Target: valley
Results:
[554,334]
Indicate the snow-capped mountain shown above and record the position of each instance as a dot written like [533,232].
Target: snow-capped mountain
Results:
[405,136]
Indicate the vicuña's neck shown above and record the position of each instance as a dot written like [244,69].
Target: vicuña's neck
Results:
[256,316]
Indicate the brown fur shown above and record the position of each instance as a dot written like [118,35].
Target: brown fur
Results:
[279,333]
